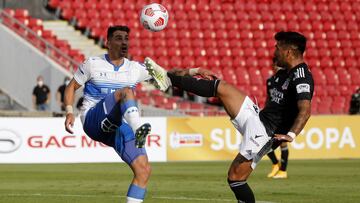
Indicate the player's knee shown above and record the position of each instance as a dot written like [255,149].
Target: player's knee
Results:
[143,172]
[236,173]
[224,89]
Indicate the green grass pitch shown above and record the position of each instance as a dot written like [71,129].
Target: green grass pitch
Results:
[309,181]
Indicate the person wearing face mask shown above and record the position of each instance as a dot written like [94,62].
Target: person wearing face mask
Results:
[60,93]
[41,95]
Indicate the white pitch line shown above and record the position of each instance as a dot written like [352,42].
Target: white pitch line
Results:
[152,197]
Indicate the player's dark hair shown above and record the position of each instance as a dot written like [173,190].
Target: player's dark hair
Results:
[112,29]
[292,39]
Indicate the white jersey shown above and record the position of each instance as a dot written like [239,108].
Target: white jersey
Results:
[101,78]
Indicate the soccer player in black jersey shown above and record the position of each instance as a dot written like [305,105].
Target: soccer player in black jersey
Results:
[278,170]
[286,112]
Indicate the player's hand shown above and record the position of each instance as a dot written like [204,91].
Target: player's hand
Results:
[207,74]
[69,122]
[283,138]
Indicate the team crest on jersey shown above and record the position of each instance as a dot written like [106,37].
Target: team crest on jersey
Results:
[285,85]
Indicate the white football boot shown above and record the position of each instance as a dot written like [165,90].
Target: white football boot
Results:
[162,81]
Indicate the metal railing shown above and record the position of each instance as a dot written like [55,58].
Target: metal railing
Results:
[36,40]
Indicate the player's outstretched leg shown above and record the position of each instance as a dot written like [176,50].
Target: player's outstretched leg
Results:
[140,135]
[230,96]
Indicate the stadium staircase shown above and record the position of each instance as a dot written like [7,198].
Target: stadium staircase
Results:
[6,103]
[74,37]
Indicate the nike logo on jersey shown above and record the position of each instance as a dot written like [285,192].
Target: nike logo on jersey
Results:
[256,136]
[256,108]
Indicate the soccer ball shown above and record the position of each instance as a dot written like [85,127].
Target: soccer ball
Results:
[154,17]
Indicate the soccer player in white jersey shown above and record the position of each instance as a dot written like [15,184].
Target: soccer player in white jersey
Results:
[109,113]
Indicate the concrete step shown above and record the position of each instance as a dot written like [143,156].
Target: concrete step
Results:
[76,39]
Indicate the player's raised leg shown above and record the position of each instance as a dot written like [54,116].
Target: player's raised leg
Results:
[131,114]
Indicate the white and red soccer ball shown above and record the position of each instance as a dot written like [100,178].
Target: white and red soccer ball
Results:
[154,17]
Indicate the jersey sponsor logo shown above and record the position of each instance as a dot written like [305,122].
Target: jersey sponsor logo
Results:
[303,87]
[300,73]
[276,95]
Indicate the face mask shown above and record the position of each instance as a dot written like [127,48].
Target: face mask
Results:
[67,82]
[40,83]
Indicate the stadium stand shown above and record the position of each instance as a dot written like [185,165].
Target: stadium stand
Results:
[233,38]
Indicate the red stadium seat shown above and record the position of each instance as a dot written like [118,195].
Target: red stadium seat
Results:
[243,77]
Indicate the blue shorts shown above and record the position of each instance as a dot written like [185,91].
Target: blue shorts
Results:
[103,123]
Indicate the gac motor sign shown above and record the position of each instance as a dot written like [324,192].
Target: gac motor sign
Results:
[10,141]
[67,141]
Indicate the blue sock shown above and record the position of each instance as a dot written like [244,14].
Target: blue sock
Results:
[136,192]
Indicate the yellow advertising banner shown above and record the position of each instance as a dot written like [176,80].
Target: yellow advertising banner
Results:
[215,138]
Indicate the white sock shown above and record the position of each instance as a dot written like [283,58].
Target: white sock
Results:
[132,117]
[133,200]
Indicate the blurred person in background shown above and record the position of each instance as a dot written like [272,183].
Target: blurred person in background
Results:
[355,103]
[41,95]
[61,92]
[285,114]
[278,169]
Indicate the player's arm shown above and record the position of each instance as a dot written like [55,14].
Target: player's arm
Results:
[304,88]
[299,123]
[69,96]
[58,97]
[34,101]
[48,96]
[303,116]
[81,76]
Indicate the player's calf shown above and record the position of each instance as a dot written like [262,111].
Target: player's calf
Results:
[242,191]
[135,194]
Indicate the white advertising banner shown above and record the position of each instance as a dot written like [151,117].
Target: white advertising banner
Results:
[44,140]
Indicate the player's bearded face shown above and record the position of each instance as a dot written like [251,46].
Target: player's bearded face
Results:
[280,56]
[119,43]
